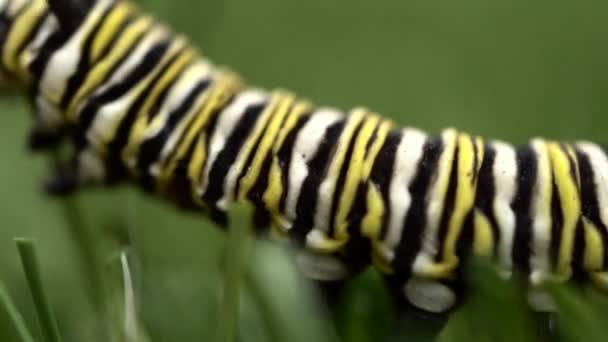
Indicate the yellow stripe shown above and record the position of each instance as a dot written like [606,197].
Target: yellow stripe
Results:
[382,133]
[375,208]
[110,134]
[370,227]
[483,239]
[219,95]
[272,195]
[22,26]
[354,175]
[261,123]
[465,195]
[570,204]
[101,70]
[299,109]
[265,145]
[594,247]
[139,126]
[121,11]
[195,167]
[328,244]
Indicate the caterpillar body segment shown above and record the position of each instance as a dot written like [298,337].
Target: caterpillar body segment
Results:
[349,189]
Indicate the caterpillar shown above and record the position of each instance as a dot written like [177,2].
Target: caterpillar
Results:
[349,190]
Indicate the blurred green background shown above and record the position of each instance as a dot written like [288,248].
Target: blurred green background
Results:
[504,69]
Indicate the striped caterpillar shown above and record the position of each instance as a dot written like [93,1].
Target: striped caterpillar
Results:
[349,190]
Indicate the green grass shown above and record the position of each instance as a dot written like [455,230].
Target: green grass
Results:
[504,69]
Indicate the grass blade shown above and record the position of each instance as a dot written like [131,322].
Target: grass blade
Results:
[46,319]
[130,314]
[17,328]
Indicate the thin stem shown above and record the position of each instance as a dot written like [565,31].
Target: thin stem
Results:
[89,255]
[46,319]
[233,276]
[20,329]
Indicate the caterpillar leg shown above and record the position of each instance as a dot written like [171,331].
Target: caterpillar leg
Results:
[41,140]
[410,315]
[84,168]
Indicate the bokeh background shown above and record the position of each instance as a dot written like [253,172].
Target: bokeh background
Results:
[503,69]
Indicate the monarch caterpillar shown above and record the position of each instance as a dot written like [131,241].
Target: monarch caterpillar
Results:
[141,104]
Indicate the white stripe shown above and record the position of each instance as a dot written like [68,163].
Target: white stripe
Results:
[407,158]
[599,164]
[14,6]
[109,116]
[134,59]
[64,62]
[425,259]
[179,93]
[175,97]
[228,119]
[540,262]
[49,26]
[305,147]
[505,188]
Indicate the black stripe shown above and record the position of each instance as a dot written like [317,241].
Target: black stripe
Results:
[589,199]
[70,14]
[87,114]
[40,62]
[307,200]
[50,46]
[284,157]
[121,138]
[527,168]
[115,91]
[188,127]
[475,171]
[486,191]
[34,31]
[257,191]
[180,190]
[358,249]
[449,205]
[557,223]
[578,252]
[345,167]
[209,131]
[227,156]
[382,174]
[371,140]
[6,23]
[578,247]
[84,64]
[415,220]
[164,93]
[255,146]
[181,183]
[150,149]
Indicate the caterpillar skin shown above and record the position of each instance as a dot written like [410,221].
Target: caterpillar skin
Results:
[350,190]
